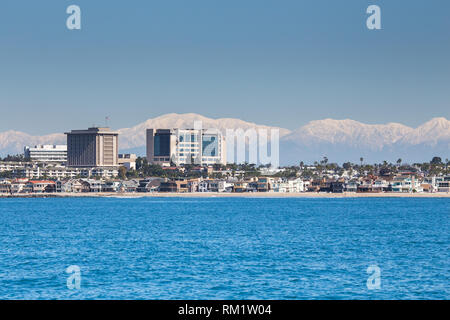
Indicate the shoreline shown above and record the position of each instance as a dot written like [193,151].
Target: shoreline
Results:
[267,195]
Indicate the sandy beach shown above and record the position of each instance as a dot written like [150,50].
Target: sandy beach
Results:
[232,195]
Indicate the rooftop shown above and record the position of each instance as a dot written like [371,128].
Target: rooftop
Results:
[94,130]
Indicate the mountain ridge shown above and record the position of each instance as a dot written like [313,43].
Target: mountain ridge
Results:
[333,138]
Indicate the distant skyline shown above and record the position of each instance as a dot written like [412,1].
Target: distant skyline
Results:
[279,63]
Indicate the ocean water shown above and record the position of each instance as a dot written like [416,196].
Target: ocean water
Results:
[225,248]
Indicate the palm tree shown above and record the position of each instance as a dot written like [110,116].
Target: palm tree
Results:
[361,160]
[399,162]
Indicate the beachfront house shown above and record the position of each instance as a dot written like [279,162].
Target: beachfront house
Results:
[444,186]
[179,186]
[351,186]
[111,186]
[406,184]
[5,187]
[40,186]
[288,186]
[264,184]
[74,186]
[149,185]
[18,185]
[240,186]
[94,185]
[220,186]
[203,186]
[129,186]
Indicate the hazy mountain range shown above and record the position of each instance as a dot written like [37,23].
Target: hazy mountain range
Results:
[339,140]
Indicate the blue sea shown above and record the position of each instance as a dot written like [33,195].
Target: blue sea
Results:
[225,248]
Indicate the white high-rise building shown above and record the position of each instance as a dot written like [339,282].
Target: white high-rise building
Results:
[185,146]
[46,153]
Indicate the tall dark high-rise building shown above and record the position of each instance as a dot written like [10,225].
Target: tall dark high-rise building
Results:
[94,147]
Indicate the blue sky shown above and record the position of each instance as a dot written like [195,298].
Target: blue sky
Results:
[280,62]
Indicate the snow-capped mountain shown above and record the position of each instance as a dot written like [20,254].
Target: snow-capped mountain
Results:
[338,140]
[131,139]
[432,132]
[349,132]
[348,140]
[13,142]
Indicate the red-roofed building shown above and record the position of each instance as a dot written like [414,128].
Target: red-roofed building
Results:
[40,186]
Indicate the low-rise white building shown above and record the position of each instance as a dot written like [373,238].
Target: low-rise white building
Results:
[11,166]
[61,172]
[288,186]
[47,153]
[128,161]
